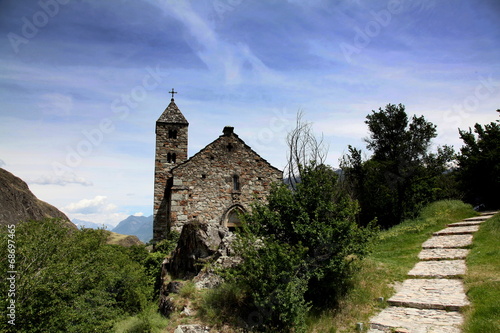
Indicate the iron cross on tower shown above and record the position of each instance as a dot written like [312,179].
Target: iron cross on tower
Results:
[173,92]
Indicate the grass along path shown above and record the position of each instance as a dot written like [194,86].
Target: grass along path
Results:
[482,280]
[393,256]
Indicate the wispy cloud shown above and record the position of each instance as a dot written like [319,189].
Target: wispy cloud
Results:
[66,179]
[56,104]
[233,61]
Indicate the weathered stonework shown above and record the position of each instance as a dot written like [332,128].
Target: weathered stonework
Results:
[213,186]
[171,150]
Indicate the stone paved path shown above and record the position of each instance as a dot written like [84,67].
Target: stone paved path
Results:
[430,301]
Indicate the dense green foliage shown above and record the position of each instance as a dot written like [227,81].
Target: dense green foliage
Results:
[300,251]
[402,175]
[167,245]
[70,280]
[479,165]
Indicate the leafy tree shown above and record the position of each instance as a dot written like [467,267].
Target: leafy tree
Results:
[308,246]
[393,138]
[479,164]
[70,280]
[401,175]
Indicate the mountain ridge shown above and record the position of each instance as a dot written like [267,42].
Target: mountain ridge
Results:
[140,226]
[18,203]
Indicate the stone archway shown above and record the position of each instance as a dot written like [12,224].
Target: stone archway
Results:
[231,218]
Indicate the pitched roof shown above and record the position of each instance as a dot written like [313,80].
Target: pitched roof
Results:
[172,114]
[228,132]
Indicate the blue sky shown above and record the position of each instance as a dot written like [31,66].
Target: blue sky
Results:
[82,82]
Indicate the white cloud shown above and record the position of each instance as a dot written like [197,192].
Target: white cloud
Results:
[139,214]
[2,163]
[99,204]
[68,178]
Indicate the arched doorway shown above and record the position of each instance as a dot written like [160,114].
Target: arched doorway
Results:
[231,219]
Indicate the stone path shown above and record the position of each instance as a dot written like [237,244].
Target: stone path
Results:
[430,301]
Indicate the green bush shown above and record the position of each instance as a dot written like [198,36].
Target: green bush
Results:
[167,245]
[71,280]
[300,250]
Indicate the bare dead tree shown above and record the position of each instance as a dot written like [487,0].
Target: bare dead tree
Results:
[304,148]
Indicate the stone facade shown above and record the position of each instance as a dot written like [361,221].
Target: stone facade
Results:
[212,186]
[171,150]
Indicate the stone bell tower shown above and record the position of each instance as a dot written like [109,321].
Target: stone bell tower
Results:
[171,150]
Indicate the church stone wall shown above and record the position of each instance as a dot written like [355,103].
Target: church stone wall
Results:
[225,174]
[166,147]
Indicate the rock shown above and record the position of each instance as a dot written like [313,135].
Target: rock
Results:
[18,203]
[192,329]
[166,306]
[202,248]
[208,279]
[187,311]
[199,243]
[174,287]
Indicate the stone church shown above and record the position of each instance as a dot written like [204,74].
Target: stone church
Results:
[212,186]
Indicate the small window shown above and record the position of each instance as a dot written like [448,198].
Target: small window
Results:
[236,183]
[203,176]
[171,157]
[172,134]
[229,147]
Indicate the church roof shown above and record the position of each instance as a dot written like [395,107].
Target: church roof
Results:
[172,114]
[228,132]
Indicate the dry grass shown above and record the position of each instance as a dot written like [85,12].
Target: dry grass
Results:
[123,240]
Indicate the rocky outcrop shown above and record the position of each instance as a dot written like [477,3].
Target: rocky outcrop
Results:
[18,203]
[201,250]
[192,329]
[198,245]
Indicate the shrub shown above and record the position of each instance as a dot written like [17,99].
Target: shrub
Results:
[71,280]
[309,245]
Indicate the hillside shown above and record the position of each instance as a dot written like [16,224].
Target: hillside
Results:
[18,203]
[123,240]
[140,226]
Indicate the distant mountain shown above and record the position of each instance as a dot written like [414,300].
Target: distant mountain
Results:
[92,225]
[18,203]
[140,226]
